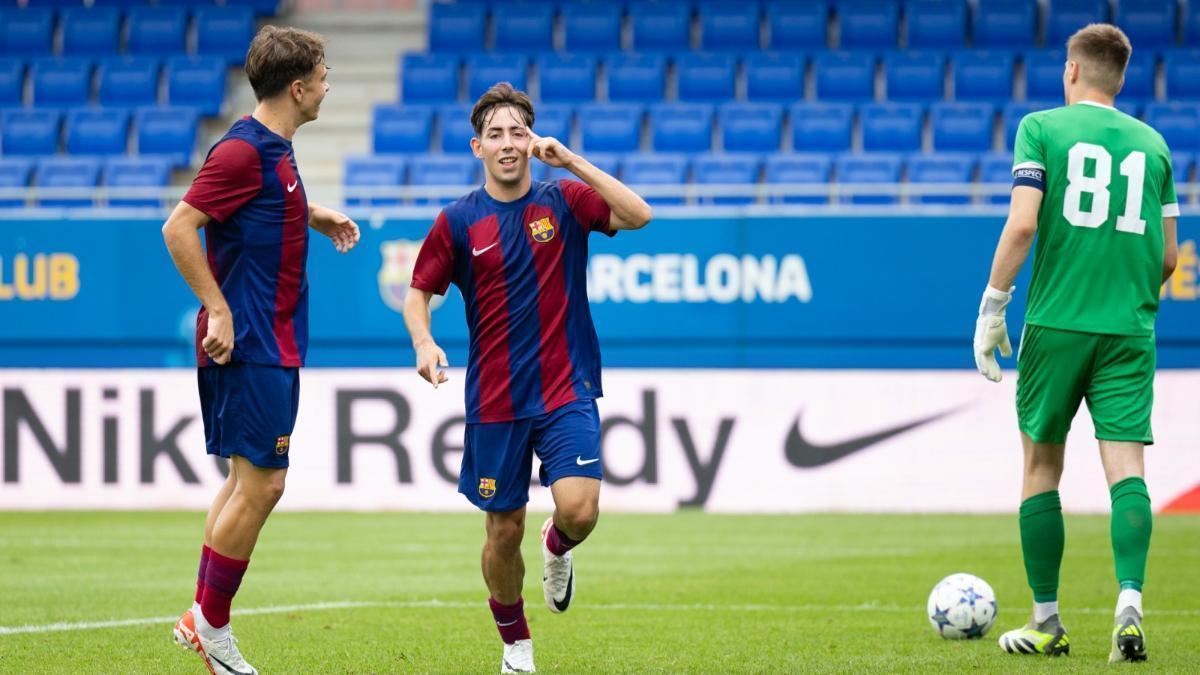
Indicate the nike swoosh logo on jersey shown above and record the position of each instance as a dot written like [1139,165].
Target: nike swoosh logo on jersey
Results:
[804,454]
[481,251]
[292,187]
[584,462]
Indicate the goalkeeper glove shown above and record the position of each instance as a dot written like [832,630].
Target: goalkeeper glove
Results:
[991,332]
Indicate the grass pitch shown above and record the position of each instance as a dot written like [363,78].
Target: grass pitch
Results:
[678,593]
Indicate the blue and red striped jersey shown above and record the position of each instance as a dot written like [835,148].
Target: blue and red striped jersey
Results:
[522,269]
[257,242]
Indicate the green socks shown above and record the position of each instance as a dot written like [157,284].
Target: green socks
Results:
[1042,540]
[1131,525]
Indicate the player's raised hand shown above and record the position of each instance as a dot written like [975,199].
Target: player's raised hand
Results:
[549,150]
[218,343]
[430,361]
[340,229]
[991,332]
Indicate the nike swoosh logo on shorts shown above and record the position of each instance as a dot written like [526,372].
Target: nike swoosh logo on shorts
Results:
[292,186]
[804,454]
[584,462]
[481,251]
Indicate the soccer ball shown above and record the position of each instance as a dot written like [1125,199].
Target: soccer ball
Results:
[962,606]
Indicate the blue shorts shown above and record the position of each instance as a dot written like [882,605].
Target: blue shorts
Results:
[249,410]
[498,456]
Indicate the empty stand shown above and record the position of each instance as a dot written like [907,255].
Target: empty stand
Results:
[636,77]
[136,173]
[614,127]
[591,27]
[727,169]
[751,127]
[729,25]
[681,127]
[403,129]
[892,127]
[166,133]
[936,24]
[566,78]
[774,77]
[960,126]
[97,131]
[705,77]
[821,127]
[129,81]
[877,168]
[660,26]
[429,78]
[914,76]
[941,168]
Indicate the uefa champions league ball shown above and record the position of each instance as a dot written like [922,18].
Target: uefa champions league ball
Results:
[962,606]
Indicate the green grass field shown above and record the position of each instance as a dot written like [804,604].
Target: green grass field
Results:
[676,593]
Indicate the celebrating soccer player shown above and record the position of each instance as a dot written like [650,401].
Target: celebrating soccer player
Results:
[517,250]
[252,330]
[1095,185]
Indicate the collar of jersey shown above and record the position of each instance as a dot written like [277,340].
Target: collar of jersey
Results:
[1098,105]
[260,125]
[516,203]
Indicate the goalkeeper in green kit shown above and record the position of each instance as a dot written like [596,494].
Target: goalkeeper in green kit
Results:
[1095,185]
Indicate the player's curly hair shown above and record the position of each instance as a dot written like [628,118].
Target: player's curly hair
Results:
[1103,51]
[500,95]
[280,56]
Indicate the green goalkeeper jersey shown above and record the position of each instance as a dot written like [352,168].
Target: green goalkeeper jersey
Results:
[1107,184]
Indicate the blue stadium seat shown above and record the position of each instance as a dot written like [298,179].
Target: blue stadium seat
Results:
[727,169]
[1181,166]
[128,81]
[871,168]
[443,170]
[374,172]
[914,76]
[260,7]
[1191,25]
[14,174]
[456,28]
[591,27]
[26,32]
[1182,69]
[455,130]
[1147,22]
[485,70]
[1005,24]
[97,131]
[936,24]
[751,127]
[681,127]
[800,168]
[403,129]
[983,76]
[166,133]
[527,29]
[1131,108]
[962,126]
[1064,17]
[567,78]
[1014,111]
[224,32]
[64,172]
[941,168]
[774,77]
[889,127]
[996,168]
[91,32]
[660,26]
[554,120]
[30,131]
[198,82]
[157,31]
[821,127]
[648,170]
[61,82]
[797,25]
[12,82]
[429,78]
[635,78]
[1179,124]
[609,164]
[845,76]
[705,77]
[614,127]
[1140,76]
[729,25]
[873,25]
[136,173]
[1044,74]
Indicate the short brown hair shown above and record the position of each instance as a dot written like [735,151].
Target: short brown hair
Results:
[501,94]
[280,56]
[1102,51]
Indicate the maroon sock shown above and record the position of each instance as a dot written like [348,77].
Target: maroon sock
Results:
[510,620]
[204,553]
[221,581]
[557,542]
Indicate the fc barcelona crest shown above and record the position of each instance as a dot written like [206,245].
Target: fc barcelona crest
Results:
[542,230]
[282,444]
[396,271]
[487,487]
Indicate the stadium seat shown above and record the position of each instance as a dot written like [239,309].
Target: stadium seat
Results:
[443,170]
[775,77]
[225,32]
[567,78]
[706,77]
[1131,108]
[821,127]
[1140,76]
[996,168]
[1044,74]
[30,131]
[1064,17]
[635,78]
[660,26]
[260,7]
[1005,24]
[799,168]
[941,168]
[727,169]
[97,131]
[609,164]
[14,174]
[91,32]
[1147,22]
[750,127]
[128,81]
[914,76]
[374,172]
[64,172]
[1014,111]
[485,70]
[1179,124]
[883,168]
[649,170]
[455,130]
[530,29]
[402,129]
[12,82]
[983,76]
[962,126]
[26,32]
[1191,25]
[1182,69]
[729,25]
[797,25]
[591,27]
[681,127]
[1181,166]
[936,24]
[136,173]
[888,127]
[555,120]
[614,127]
[871,25]
[429,78]
[61,82]
[157,31]
[167,133]
[845,76]
[457,28]
[198,82]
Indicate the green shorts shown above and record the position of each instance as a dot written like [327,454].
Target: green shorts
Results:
[1058,368]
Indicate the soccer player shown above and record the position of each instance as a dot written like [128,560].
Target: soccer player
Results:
[517,250]
[1095,185]
[252,330]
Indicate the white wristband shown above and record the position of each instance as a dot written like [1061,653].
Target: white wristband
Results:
[994,301]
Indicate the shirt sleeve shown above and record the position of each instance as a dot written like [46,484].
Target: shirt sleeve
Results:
[230,177]
[1029,155]
[588,207]
[435,261]
[1170,204]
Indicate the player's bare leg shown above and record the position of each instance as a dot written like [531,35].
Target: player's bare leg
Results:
[576,510]
[504,573]
[1132,522]
[185,628]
